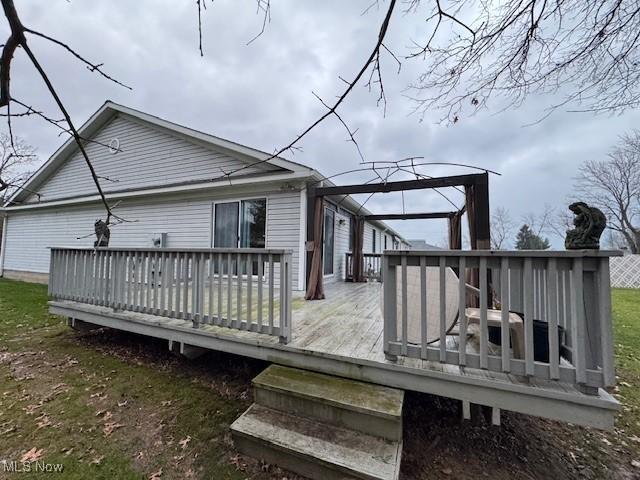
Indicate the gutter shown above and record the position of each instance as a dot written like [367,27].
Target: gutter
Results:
[181,188]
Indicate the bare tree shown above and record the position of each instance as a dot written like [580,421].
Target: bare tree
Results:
[613,185]
[615,240]
[587,51]
[16,161]
[502,226]
[541,223]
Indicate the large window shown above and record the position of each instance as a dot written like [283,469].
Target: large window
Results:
[240,224]
[329,225]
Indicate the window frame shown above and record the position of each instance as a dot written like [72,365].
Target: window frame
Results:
[239,200]
[333,246]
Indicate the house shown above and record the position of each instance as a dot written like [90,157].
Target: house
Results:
[421,245]
[179,188]
[216,240]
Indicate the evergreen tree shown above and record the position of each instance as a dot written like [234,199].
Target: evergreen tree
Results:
[528,240]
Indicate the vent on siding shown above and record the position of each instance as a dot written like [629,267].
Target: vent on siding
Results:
[114,145]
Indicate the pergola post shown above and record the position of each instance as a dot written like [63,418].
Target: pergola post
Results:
[483,219]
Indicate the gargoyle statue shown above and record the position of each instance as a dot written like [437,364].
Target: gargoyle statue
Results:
[589,223]
[102,234]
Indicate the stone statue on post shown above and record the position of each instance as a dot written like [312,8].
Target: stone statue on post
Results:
[589,224]
[102,234]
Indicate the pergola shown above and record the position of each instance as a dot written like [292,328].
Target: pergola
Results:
[476,190]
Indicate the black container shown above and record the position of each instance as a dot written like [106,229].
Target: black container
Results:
[541,341]
[495,336]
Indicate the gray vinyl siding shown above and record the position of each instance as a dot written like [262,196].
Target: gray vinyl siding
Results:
[186,220]
[341,245]
[367,244]
[150,156]
[283,227]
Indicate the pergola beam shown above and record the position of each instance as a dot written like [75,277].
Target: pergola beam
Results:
[437,182]
[409,216]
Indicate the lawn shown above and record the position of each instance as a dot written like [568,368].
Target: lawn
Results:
[119,406]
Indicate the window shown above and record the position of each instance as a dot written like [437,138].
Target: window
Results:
[329,225]
[373,248]
[240,224]
[385,242]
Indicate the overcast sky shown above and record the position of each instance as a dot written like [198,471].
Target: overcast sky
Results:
[261,94]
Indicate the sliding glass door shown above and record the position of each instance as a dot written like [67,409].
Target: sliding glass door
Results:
[225,234]
[240,224]
[253,222]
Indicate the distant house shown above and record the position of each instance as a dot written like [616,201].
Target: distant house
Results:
[171,183]
[421,245]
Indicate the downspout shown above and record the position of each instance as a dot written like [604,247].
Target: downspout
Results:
[302,260]
[5,223]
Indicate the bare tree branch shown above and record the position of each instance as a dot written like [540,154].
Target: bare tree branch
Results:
[586,50]
[331,109]
[18,38]
[613,185]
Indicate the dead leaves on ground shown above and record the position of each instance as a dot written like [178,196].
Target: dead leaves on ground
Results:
[110,427]
[156,475]
[32,455]
[184,442]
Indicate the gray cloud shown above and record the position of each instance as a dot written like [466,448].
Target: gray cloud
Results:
[260,94]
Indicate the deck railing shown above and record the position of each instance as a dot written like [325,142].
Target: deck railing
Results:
[563,300]
[372,266]
[244,289]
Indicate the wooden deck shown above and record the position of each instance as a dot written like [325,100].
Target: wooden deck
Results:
[342,335]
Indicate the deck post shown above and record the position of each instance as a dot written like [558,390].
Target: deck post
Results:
[390,313]
[285,298]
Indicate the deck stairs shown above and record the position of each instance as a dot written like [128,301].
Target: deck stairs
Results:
[322,427]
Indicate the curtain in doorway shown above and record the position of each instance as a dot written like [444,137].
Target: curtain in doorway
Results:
[357,260]
[315,287]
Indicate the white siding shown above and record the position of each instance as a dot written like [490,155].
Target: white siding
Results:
[283,226]
[367,244]
[187,221]
[150,156]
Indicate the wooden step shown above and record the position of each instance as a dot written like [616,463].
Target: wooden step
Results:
[360,406]
[314,449]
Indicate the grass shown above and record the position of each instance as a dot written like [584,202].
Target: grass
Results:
[103,412]
[119,406]
[626,309]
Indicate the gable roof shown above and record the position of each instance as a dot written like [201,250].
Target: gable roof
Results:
[110,109]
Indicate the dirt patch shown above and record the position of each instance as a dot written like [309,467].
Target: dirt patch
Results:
[437,444]
[115,389]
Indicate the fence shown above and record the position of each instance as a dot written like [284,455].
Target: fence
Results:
[372,266]
[625,271]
